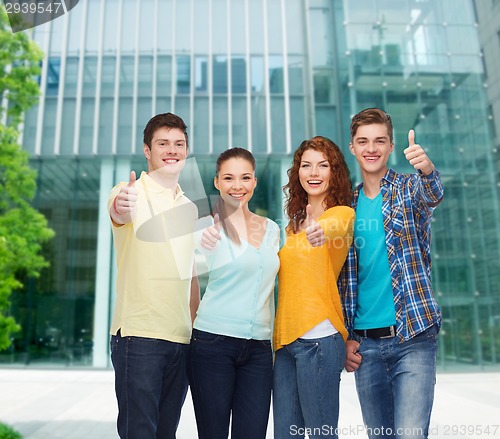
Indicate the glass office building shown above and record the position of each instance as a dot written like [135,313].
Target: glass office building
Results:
[264,75]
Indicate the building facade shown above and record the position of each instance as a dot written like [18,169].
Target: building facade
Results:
[264,75]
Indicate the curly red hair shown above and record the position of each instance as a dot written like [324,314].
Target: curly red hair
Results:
[340,189]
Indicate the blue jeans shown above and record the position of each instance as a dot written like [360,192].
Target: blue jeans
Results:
[306,387]
[151,385]
[395,385]
[230,375]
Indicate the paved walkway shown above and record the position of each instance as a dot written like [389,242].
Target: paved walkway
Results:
[80,404]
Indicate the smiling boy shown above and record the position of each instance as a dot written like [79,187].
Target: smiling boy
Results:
[390,310]
[156,298]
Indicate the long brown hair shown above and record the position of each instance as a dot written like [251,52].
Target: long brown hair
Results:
[339,186]
[220,208]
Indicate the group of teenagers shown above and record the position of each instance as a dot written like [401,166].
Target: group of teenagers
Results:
[354,292]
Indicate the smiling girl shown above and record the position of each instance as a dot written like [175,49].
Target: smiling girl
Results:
[231,358]
[309,331]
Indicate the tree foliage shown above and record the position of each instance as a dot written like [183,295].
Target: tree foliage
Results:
[23,229]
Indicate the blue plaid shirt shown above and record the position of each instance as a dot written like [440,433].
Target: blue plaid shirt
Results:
[407,205]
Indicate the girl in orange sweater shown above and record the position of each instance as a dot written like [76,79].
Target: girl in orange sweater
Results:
[309,332]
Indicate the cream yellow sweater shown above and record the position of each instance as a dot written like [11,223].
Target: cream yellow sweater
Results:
[307,279]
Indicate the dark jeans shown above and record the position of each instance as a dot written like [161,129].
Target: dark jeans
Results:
[230,375]
[150,384]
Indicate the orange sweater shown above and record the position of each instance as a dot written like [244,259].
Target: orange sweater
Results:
[307,279]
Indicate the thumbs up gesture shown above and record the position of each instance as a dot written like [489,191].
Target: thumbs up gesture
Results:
[211,235]
[125,202]
[314,232]
[417,156]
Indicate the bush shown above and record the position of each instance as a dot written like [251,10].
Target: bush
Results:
[7,432]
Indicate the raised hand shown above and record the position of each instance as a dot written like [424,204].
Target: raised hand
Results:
[126,199]
[314,232]
[416,155]
[211,235]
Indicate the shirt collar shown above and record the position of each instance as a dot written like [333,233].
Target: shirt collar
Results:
[155,187]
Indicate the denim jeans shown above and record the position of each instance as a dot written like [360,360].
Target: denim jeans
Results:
[151,385]
[395,385]
[230,376]
[306,387]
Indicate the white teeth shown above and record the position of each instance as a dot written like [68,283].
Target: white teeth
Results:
[237,195]
[314,181]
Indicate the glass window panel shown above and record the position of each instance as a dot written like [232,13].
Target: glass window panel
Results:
[164,75]
[296,75]
[165,9]
[145,73]
[362,11]
[92,32]
[321,50]
[256,27]
[183,74]
[259,143]
[182,108]
[274,27]
[201,74]
[200,125]
[108,76]
[49,126]
[278,136]
[70,83]
[201,27]
[220,74]
[324,92]
[392,11]
[68,126]
[128,26]
[238,75]
[183,25]
[86,126]
[53,73]
[294,16]
[144,106]
[105,137]
[124,126]
[239,115]
[297,121]
[146,28]
[57,36]
[257,74]
[326,122]
[163,104]
[127,76]
[30,129]
[463,40]
[238,25]
[219,27]
[276,74]
[458,15]
[75,31]
[111,36]
[220,116]
[89,76]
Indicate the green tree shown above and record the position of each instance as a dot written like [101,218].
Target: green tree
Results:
[23,229]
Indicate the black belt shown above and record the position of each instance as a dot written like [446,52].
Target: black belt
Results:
[387,332]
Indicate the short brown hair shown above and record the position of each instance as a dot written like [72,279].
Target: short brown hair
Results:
[163,120]
[370,116]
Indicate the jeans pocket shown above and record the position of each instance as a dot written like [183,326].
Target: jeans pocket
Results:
[113,344]
[205,337]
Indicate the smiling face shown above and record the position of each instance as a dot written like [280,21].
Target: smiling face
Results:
[314,174]
[168,151]
[371,145]
[236,181]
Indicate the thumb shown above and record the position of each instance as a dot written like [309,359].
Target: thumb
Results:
[309,212]
[217,222]
[132,178]
[411,137]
